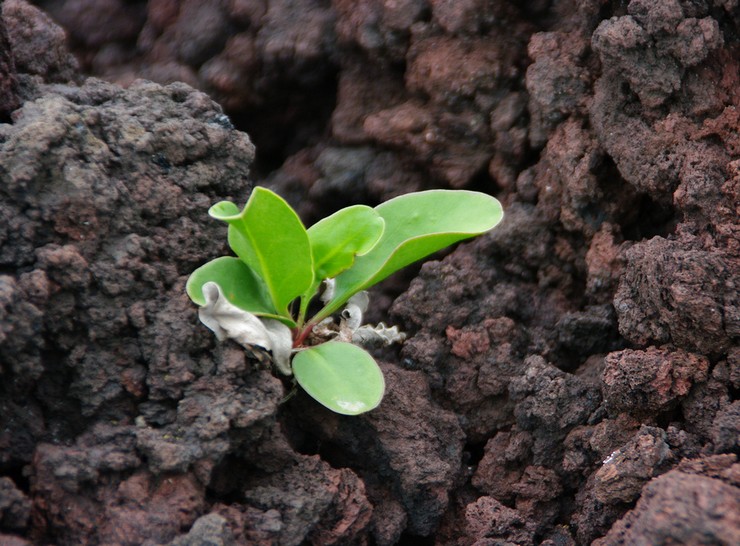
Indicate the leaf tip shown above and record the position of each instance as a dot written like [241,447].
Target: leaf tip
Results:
[223,210]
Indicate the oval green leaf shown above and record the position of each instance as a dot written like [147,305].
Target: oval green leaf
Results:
[341,376]
[270,238]
[239,285]
[416,225]
[337,239]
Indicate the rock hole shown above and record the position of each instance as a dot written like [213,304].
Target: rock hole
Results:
[230,478]
[625,89]
[62,413]
[289,122]
[20,480]
[473,453]
[653,219]
[665,419]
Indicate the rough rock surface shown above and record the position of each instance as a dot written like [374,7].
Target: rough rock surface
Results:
[38,45]
[651,381]
[408,452]
[9,99]
[566,377]
[684,509]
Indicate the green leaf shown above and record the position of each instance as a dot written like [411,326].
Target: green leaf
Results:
[337,239]
[270,238]
[341,376]
[416,225]
[239,285]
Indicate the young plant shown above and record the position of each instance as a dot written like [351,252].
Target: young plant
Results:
[262,297]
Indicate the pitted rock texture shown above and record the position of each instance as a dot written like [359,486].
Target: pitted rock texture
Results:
[113,395]
[37,45]
[408,452]
[566,376]
[705,511]
[651,381]
[690,294]
[9,91]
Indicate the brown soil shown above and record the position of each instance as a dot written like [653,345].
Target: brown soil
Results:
[569,378]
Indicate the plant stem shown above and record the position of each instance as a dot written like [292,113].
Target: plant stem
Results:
[302,312]
[302,335]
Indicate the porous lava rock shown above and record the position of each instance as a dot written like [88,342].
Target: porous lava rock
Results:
[566,377]
[112,394]
[408,452]
[650,381]
[682,508]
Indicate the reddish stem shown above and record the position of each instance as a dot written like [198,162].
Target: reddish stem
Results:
[302,336]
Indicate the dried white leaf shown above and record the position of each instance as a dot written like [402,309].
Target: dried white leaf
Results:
[325,329]
[282,344]
[361,300]
[345,333]
[328,292]
[229,322]
[350,329]
[380,335]
[355,308]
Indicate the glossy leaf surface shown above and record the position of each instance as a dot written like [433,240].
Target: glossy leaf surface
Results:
[341,376]
[337,239]
[270,238]
[239,285]
[416,225]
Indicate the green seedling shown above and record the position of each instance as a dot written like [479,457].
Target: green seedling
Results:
[262,297]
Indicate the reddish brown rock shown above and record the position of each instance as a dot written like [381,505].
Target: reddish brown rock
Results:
[465,16]
[96,22]
[605,261]
[609,132]
[487,518]
[418,443]
[687,296]
[314,503]
[590,445]
[503,464]
[9,99]
[625,471]
[557,80]
[12,540]
[209,529]
[538,494]
[705,404]
[651,44]
[448,69]
[618,480]
[722,467]
[681,508]
[361,92]
[136,509]
[571,184]
[452,143]
[381,29]
[38,45]
[646,382]
[725,428]
[550,403]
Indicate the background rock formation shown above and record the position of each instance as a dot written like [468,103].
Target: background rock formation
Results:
[565,377]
